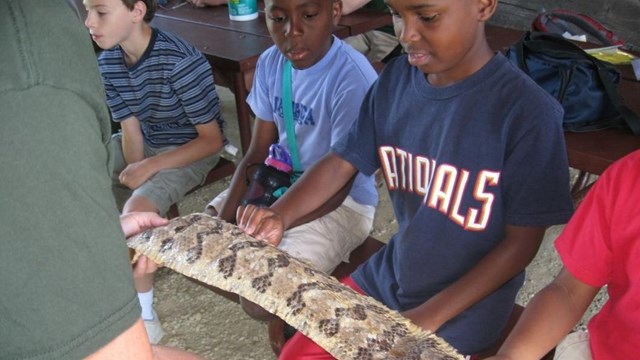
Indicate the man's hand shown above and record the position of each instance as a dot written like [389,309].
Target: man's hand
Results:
[136,222]
[261,223]
[144,266]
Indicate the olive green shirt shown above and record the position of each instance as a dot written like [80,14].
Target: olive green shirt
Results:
[66,287]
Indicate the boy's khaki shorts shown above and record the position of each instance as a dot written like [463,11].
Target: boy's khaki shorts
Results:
[165,188]
[326,241]
[374,44]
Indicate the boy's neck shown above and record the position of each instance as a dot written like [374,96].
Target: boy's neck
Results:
[478,58]
[136,44]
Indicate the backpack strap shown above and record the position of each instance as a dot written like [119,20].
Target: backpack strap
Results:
[556,46]
[287,109]
[559,21]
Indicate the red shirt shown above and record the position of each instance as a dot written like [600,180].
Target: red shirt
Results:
[601,246]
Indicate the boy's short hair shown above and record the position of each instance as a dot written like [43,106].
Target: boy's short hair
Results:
[151,7]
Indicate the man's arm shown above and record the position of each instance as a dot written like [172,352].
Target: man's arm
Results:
[509,258]
[133,343]
[548,318]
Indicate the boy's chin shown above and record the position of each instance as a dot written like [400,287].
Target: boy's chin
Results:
[301,63]
[419,60]
[104,45]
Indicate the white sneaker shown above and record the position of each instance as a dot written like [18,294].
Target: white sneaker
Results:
[154,329]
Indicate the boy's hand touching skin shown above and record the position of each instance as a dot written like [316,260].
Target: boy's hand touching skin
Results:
[263,223]
[331,177]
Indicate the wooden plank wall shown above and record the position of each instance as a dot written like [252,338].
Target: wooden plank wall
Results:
[621,16]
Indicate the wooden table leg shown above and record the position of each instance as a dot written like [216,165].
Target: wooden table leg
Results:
[242,109]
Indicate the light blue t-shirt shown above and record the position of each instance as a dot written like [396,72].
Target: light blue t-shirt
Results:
[326,101]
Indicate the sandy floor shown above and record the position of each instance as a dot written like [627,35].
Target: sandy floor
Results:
[196,319]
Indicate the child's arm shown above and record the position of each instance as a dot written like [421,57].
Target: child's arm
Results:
[132,141]
[548,318]
[319,184]
[506,260]
[208,142]
[264,134]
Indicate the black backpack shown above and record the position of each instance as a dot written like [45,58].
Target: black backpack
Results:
[585,86]
[561,21]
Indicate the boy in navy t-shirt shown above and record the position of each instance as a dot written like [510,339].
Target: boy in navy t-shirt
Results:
[474,159]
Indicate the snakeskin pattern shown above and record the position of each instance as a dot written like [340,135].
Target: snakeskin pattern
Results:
[346,324]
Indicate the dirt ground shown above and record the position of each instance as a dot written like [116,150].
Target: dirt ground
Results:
[198,320]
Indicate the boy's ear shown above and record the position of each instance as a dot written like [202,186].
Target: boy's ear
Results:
[139,11]
[486,8]
[337,12]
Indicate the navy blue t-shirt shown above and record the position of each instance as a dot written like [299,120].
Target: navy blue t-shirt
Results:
[460,163]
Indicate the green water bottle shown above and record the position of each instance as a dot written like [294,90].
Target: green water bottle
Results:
[243,10]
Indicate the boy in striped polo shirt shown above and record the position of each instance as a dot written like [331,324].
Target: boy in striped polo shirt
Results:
[160,90]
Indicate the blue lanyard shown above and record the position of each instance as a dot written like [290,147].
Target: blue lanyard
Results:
[287,109]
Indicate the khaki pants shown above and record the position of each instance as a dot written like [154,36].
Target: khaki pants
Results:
[328,240]
[375,45]
[574,347]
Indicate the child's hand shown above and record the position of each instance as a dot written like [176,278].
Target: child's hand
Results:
[135,222]
[136,174]
[261,223]
[418,317]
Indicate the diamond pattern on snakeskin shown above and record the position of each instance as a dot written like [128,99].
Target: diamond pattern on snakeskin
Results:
[345,323]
